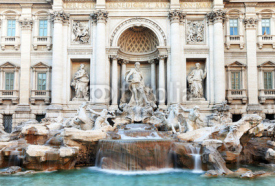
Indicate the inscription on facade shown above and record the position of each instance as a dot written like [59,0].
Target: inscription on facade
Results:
[79,5]
[195,5]
[138,5]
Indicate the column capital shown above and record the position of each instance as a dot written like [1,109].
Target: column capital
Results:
[114,57]
[162,57]
[151,61]
[124,61]
[216,16]
[100,16]
[251,22]
[26,24]
[176,16]
[60,16]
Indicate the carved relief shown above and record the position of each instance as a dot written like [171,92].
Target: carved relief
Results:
[250,22]
[195,32]
[26,23]
[81,32]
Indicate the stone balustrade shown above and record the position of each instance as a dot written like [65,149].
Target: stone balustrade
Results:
[12,95]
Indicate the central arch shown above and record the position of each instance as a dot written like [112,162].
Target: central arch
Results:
[138,22]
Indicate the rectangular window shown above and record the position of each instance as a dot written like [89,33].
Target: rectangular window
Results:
[236,80]
[233,23]
[268,80]
[11,27]
[7,122]
[9,81]
[41,81]
[265,26]
[39,117]
[43,25]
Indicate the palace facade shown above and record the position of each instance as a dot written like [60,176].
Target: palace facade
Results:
[44,42]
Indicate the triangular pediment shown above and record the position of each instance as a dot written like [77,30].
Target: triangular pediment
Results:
[267,64]
[236,64]
[8,65]
[40,65]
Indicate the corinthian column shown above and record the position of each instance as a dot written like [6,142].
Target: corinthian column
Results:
[250,25]
[26,26]
[218,56]
[114,80]
[99,89]
[161,90]
[57,64]
[153,75]
[175,88]
[123,72]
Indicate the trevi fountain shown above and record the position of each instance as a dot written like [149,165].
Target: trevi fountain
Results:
[137,92]
[139,143]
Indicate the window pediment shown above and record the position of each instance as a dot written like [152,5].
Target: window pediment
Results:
[268,64]
[41,65]
[8,65]
[236,64]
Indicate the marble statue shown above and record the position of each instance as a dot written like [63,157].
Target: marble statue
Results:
[193,117]
[82,119]
[135,78]
[139,101]
[81,32]
[80,83]
[102,118]
[195,79]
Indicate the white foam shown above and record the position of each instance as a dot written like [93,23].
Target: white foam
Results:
[160,171]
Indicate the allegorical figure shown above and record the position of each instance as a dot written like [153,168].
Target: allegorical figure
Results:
[80,83]
[193,117]
[195,79]
[135,79]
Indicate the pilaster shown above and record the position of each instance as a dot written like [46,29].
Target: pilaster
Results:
[251,25]
[217,18]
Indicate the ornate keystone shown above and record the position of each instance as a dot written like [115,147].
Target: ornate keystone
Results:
[26,23]
[176,15]
[60,16]
[217,15]
[100,16]
[250,22]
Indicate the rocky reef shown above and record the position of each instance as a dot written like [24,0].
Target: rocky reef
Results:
[166,140]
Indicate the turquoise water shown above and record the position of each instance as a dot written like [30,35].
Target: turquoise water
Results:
[95,177]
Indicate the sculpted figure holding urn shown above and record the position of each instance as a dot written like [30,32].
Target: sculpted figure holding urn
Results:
[80,83]
[195,79]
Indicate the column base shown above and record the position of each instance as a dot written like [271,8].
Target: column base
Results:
[54,111]
[22,114]
[254,109]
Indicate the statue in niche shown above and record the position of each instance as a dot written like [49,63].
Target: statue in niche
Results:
[80,84]
[195,79]
[139,101]
[135,78]
[81,32]
[193,117]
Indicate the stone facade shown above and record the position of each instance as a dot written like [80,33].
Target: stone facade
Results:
[44,42]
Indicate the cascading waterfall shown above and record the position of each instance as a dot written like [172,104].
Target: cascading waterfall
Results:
[134,155]
[195,152]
